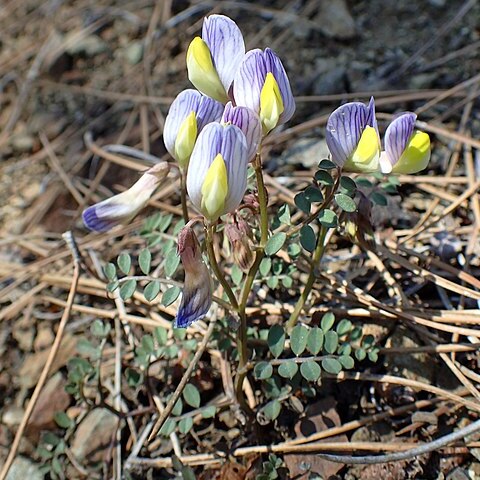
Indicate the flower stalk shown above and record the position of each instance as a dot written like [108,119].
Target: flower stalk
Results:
[316,258]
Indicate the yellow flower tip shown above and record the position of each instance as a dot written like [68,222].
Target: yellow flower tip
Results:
[365,157]
[201,71]
[215,189]
[416,155]
[185,141]
[271,103]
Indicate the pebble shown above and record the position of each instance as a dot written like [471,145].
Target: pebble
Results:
[94,435]
[335,20]
[23,468]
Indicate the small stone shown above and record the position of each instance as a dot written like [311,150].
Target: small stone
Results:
[458,474]
[52,399]
[12,415]
[43,339]
[306,151]
[34,363]
[24,338]
[134,53]
[335,20]
[89,46]
[422,81]
[22,143]
[24,468]
[94,435]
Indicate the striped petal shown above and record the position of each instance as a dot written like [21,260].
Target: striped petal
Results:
[251,78]
[122,208]
[230,143]
[345,128]
[225,42]
[406,151]
[248,122]
[197,287]
[205,109]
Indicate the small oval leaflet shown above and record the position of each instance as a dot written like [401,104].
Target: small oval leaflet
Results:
[298,339]
[302,202]
[170,296]
[185,424]
[288,369]
[330,342]
[331,365]
[124,262]
[315,340]
[308,238]
[345,202]
[263,370]
[110,271]
[151,290]
[310,371]
[276,340]
[127,289]
[191,395]
[270,411]
[327,321]
[168,427]
[275,243]
[145,261]
[328,218]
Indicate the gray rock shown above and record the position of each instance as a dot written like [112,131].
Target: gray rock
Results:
[23,468]
[89,46]
[94,435]
[306,151]
[335,20]
[134,53]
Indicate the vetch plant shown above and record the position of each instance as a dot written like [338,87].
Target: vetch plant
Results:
[215,135]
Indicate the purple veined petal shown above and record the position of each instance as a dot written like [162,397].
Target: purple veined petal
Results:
[206,110]
[225,42]
[185,102]
[231,143]
[206,148]
[105,215]
[249,122]
[121,208]
[197,287]
[398,134]
[234,151]
[274,65]
[371,118]
[249,80]
[344,129]
[209,110]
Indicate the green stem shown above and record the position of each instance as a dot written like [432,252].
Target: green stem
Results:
[183,194]
[247,286]
[210,230]
[317,256]
[262,200]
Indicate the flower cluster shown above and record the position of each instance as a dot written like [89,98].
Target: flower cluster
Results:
[354,141]
[214,134]
[215,130]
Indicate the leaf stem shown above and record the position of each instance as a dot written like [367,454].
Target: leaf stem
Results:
[317,256]
[183,193]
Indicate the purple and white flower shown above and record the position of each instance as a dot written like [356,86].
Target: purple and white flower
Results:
[213,59]
[197,287]
[217,175]
[248,122]
[188,115]
[262,85]
[122,208]
[406,151]
[352,137]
